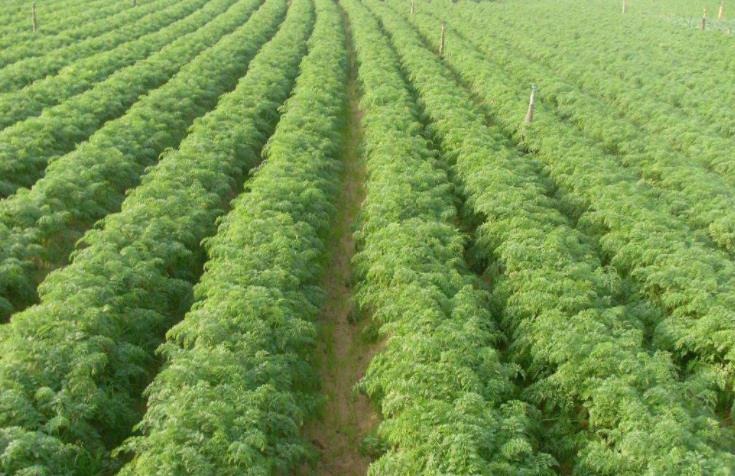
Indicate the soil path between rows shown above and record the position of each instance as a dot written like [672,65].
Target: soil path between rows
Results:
[344,351]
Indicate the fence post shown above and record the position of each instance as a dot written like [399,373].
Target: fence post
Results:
[413,7]
[704,20]
[33,17]
[531,104]
[441,41]
[625,6]
[721,13]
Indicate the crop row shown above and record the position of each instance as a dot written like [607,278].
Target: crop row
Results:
[683,68]
[75,365]
[691,283]
[575,331]
[31,68]
[30,145]
[654,123]
[237,384]
[63,18]
[700,197]
[39,225]
[703,134]
[16,11]
[445,396]
[83,74]
[679,67]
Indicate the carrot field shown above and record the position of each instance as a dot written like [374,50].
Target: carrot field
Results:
[367,237]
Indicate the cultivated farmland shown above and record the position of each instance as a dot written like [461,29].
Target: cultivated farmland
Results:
[367,237]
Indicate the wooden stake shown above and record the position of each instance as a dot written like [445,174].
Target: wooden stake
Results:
[33,17]
[441,41]
[531,104]
[413,7]
[625,6]
[704,20]
[721,13]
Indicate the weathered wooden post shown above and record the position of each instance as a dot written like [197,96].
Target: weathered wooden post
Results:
[625,6]
[721,13]
[33,17]
[703,25]
[441,40]
[531,104]
[413,7]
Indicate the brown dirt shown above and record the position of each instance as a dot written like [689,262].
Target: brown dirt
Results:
[343,352]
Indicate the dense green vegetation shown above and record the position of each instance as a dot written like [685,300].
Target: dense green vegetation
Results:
[79,407]
[61,22]
[31,144]
[445,396]
[25,62]
[689,282]
[86,184]
[670,87]
[82,75]
[237,375]
[700,195]
[273,237]
[572,320]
